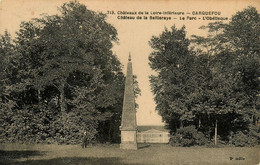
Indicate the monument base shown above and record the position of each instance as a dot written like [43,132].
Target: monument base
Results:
[128,140]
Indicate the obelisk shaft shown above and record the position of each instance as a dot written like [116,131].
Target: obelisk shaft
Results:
[128,124]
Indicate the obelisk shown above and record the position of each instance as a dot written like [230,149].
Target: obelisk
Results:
[128,124]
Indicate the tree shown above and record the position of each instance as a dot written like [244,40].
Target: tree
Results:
[214,85]
[67,72]
[243,32]
[213,42]
[6,51]
[173,83]
[234,63]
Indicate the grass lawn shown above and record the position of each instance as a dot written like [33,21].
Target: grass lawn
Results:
[111,154]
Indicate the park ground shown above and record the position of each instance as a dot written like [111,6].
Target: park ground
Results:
[40,154]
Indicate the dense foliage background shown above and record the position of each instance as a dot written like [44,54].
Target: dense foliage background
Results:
[59,77]
[209,87]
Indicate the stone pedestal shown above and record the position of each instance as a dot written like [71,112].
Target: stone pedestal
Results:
[128,140]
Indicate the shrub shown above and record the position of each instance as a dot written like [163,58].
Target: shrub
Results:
[43,124]
[188,136]
[247,138]
[254,132]
[239,139]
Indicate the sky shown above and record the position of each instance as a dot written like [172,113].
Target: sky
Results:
[134,35]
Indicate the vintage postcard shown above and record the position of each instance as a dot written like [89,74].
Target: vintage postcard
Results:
[129,82]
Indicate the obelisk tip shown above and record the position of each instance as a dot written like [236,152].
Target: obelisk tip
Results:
[129,58]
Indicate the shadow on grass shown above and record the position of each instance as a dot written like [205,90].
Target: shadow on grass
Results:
[142,146]
[11,158]
[73,161]
[8,157]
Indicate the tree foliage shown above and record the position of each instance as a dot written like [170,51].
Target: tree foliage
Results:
[211,82]
[61,78]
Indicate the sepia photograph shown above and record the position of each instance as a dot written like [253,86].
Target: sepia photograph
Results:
[144,82]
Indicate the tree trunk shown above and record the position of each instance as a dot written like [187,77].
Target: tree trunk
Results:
[63,106]
[216,131]
[209,134]
[109,131]
[199,122]
[39,96]
[255,120]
